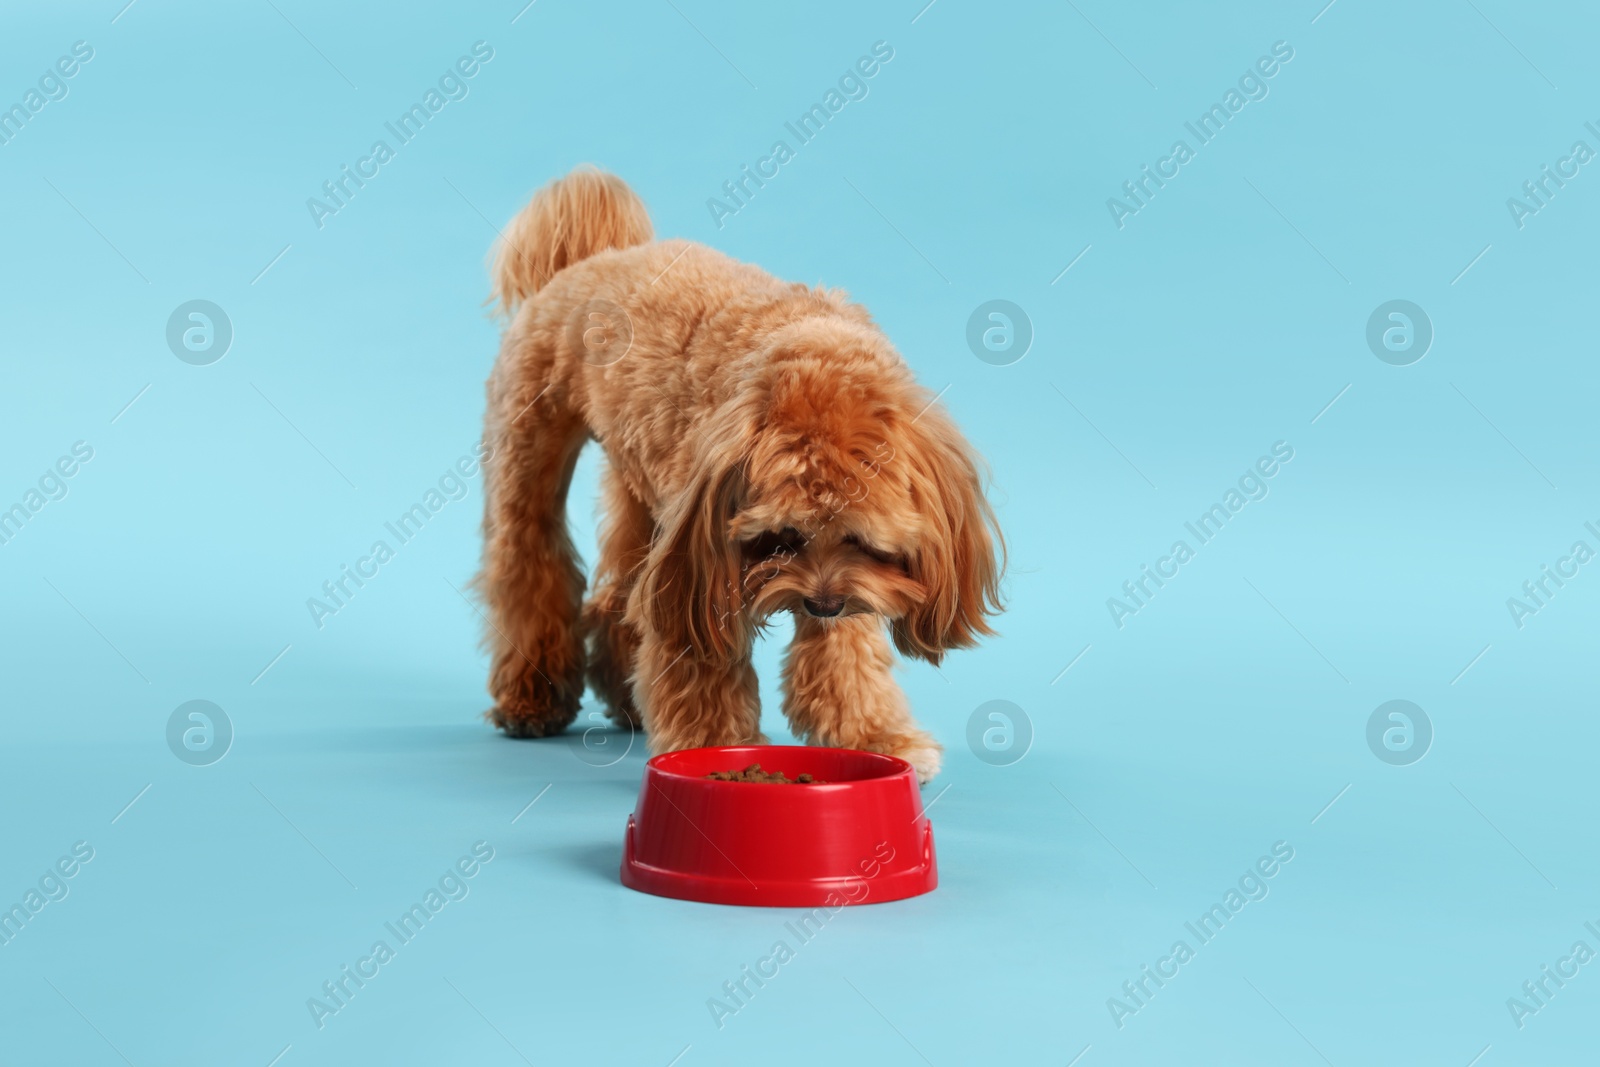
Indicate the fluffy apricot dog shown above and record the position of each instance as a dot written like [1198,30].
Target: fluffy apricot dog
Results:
[767,451]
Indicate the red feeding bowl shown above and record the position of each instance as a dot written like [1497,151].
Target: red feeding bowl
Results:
[860,838]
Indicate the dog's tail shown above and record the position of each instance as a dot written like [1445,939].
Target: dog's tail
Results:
[570,219]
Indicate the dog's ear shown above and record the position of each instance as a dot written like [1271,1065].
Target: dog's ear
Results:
[961,557]
[690,581]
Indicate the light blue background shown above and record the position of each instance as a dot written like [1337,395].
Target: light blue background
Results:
[1224,317]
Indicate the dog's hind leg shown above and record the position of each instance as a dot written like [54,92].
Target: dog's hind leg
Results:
[532,580]
[614,644]
[837,691]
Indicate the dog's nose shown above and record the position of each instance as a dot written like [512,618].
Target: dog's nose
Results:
[824,607]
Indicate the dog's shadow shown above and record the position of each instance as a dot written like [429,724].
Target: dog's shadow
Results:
[587,768]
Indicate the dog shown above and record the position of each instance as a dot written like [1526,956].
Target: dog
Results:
[767,450]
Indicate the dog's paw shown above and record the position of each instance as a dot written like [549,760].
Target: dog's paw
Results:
[523,725]
[663,742]
[624,715]
[525,718]
[527,703]
[923,753]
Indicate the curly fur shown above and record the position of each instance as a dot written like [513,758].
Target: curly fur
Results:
[768,450]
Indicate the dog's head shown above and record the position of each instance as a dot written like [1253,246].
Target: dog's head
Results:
[833,489]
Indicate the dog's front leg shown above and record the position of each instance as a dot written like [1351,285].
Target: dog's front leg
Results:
[838,691]
[689,702]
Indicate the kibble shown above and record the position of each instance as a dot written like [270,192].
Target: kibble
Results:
[754,773]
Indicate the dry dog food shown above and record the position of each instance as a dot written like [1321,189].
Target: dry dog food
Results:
[754,773]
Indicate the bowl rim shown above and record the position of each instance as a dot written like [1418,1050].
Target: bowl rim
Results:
[897,767]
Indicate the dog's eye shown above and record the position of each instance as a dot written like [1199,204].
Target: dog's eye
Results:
[788,541]
[876,554]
